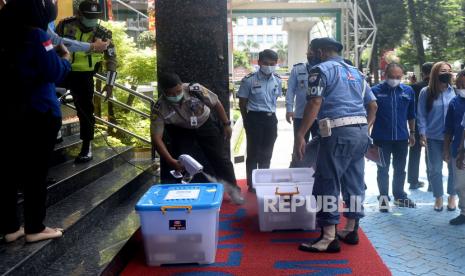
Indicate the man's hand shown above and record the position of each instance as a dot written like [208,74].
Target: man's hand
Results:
[108,89]
[299,147]
[289,117]
[446,156]
[227,132]
[460,163]
[63,52]
[99,45]
[423,142]
[175,164]
[411,139]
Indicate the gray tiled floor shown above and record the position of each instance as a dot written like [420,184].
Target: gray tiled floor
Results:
[410,241]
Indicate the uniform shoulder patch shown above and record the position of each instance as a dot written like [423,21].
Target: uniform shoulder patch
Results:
[69,19]
[248,76]
[315,86]
[297,64]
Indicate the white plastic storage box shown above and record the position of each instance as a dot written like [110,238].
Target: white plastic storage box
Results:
[285,198]
[180,223]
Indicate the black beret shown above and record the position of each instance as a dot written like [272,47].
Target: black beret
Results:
[326,42]
[90,9]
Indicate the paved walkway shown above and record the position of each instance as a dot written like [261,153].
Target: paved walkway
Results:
[416,241]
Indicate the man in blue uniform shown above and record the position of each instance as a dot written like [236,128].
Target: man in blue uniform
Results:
[258,94]
[336,95]
[396,107]
[297,87]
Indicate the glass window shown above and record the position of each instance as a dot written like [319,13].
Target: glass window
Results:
[279,21]
[269,38]
[260,38]
[279,38]
[240,38]
[249,21]
[269,21]
[259,21]
[250,38]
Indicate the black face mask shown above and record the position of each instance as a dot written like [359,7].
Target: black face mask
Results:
[445,77]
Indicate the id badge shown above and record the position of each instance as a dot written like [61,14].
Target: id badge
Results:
[193,121]
[325,127]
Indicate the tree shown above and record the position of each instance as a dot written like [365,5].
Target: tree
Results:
[248,46]
[240,59]
[417,36]
[391,20]
[281,49]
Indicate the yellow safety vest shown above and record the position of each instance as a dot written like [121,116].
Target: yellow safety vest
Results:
[82,61]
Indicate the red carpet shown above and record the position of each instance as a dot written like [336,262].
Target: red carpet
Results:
[244,250]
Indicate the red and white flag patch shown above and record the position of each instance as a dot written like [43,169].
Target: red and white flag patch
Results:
[48,45]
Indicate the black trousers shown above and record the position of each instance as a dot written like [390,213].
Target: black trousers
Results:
[205,142]
[81,85]
[261,129]
[35,135]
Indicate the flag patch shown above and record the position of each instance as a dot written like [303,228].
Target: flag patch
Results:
[48,45]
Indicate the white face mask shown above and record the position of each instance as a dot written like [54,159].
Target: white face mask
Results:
[267,70]
[393,82]
[460,92]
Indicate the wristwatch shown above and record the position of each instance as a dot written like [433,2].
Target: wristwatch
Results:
[227,123]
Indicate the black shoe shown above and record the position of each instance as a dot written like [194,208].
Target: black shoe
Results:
[352,237]
[404,202]
[415,186]
[50,181]
[333,246]
[451,209]
[251,190]
[458,220]
[84,157]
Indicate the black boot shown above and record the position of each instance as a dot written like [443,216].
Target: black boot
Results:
[328,234]
[86,153]
[351,237]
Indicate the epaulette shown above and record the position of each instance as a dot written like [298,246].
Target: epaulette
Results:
[68,20]
[277,75]
[247,76]
[103,33]
[197,90]
[300,63]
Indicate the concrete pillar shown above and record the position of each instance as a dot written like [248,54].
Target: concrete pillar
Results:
[192,41]
[298,38]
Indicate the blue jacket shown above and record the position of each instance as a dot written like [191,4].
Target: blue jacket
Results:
[454,117]
[431,124]
[39,69]
[396,106]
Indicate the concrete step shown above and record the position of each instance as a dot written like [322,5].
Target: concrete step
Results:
[79,214]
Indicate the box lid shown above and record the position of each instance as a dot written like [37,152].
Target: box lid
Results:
[181,196]
[282,177]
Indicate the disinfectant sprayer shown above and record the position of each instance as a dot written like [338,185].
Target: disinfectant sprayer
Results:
[191,166]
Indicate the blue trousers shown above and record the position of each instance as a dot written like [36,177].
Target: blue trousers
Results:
[398,150]
[435,163]
[340,168]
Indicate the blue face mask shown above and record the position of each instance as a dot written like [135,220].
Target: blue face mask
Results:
[267,70]
[175,99]
[89,23]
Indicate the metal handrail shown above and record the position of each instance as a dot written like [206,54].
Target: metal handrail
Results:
[124,88]
[131,8]
[123,105]
[114,126]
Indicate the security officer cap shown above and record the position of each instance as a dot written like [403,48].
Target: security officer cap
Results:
[90,9]
[313,43]
[326,42]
